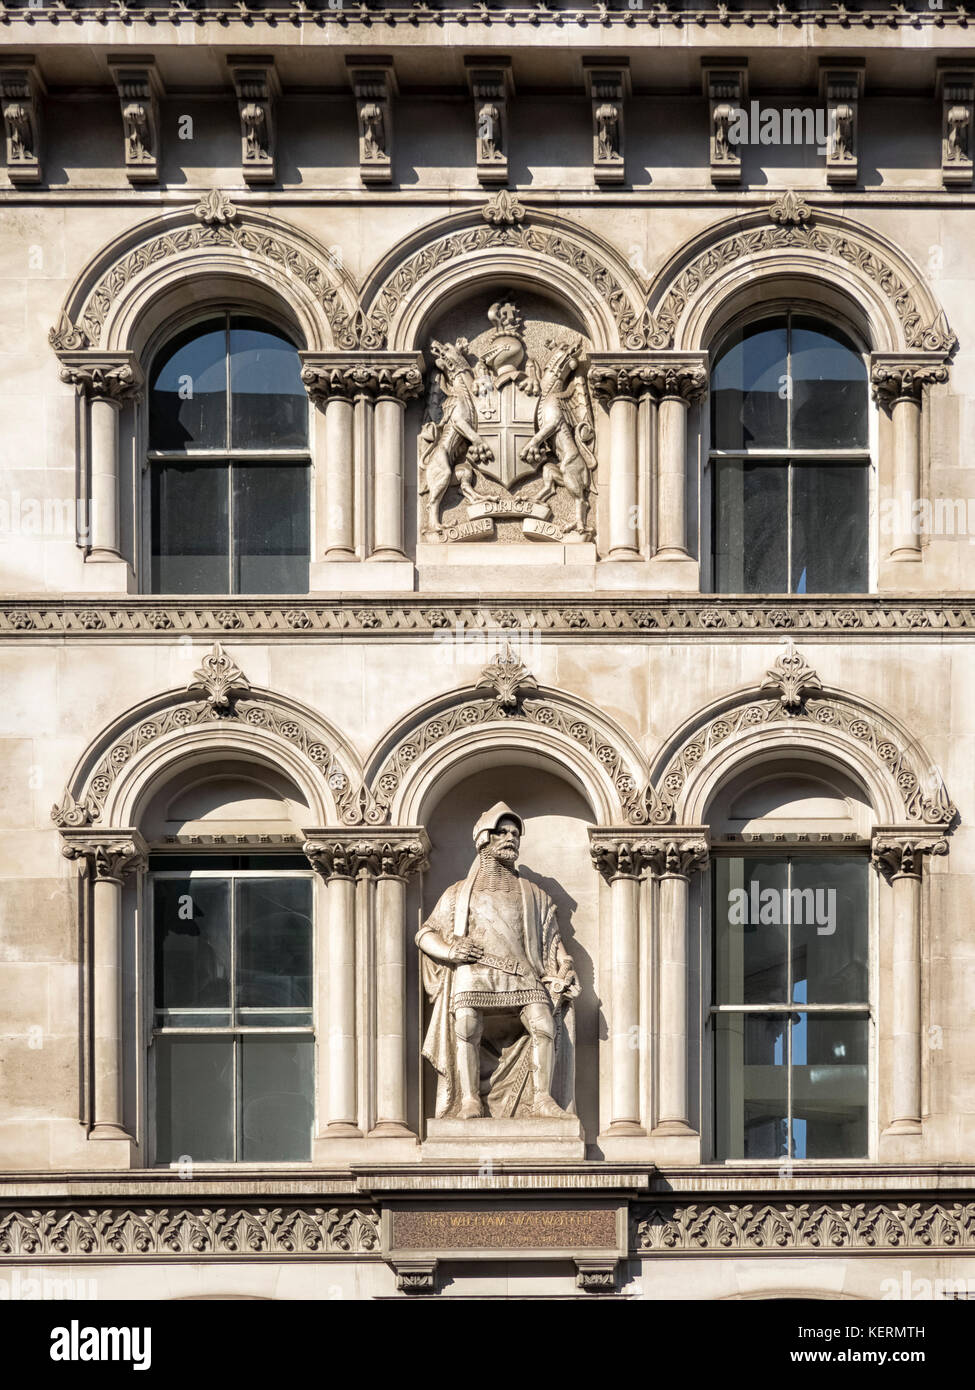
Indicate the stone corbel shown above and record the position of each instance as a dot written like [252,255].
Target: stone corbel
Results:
[139,88]
[374,86]
[726,89]
[364,397]
[841,87]
[492,87]
[257,87]
[898,852]
[898,381]
[596,1276]
[607,86]
[21,89]
[956,88]
[106,381]
[366,872]
[415,1276]
[106,858]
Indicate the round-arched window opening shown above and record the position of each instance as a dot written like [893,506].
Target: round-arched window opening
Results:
[790,458]
[228,454]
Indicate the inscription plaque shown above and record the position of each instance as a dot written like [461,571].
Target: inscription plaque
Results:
[514,1229]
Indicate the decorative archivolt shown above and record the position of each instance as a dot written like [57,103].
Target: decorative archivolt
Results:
[219,714]
[791,709]
[792,239]
[214,237]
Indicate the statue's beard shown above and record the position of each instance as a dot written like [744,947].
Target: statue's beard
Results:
[498,865]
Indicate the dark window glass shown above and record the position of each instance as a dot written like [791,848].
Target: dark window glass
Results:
[269,405]
[276,1088]
[829,528]
[829,388]
[271,528]
[273,943]
[192,932]
[829,914]
[190,529]
[195,1098]
[748,389]
[188,392]
[829,1086]
[751,531]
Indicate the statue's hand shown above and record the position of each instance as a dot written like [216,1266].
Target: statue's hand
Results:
[465,952]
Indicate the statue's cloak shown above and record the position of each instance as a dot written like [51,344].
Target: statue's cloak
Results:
[507,1088]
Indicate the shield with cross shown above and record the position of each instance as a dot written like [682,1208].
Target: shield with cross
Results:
[506,421]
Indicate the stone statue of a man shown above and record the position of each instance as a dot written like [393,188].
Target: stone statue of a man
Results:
[501,983]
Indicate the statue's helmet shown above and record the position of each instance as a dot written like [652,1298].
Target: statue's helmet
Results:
[492,819]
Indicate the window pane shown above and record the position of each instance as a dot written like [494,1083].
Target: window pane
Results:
[271,529]
[191,923]
[188,391]
[190,529]
[752,1089]
[829,528]
[274,944]
[749,402]
[276,1099]
[751,531]
[829,389]
[829,1086]
[751,940]
[828,905]
[194,1099]
[269,405]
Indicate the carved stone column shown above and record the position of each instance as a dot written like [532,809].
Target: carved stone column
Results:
[898,381]
[107,381]
[897,852]
[106,857]
[400,856]
[674,855]
[620,383]
[325,378]
[399,378]
[679,384]
[335,944]
[618,856]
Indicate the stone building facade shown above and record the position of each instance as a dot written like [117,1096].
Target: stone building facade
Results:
[409,409]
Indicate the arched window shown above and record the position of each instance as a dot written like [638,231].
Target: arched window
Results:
[789,458]
[228,454]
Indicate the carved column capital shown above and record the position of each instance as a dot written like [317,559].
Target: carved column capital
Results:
[617,853]
[661,375]
[897,851]
[107,856]
[103,376]
[898,376]
[351,375]
[677,852]
[397,851]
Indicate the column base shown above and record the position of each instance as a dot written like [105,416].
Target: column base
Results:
[910,553]
[391,1129]
[910,1126]
[385,554]
[104,1131]
[342,1129]
[667,1128]
[672,552]
[625,552]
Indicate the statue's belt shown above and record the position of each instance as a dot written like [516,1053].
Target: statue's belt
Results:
[510,967]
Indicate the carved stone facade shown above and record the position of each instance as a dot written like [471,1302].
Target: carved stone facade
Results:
[480,274]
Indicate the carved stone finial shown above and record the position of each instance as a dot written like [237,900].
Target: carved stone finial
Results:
[221,678]
[215,209]
[503,209]
[793,677]
[790,210]
[507,674]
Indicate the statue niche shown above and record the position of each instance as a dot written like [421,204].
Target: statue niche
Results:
[513,431]
[502,1030]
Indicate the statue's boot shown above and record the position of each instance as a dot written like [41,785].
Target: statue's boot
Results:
[469,1060]
[543,1063]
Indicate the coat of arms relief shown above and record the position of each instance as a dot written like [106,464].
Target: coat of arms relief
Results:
[510,429]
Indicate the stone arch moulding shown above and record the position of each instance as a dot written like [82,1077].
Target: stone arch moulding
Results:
[502,242]
[447,737]
[791,240]
[109,303]
[792,711]
[219,714]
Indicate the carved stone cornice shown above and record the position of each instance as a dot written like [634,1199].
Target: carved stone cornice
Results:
[107,856]
[661,375]
[103,376]
[374,375]
[394,851]
[898,376]
[897,851]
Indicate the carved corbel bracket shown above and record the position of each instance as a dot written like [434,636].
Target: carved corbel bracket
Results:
[106,856]
[956,88]
[21,89]
[374,86]
[416,1276]
[607,86]
[491,86]
[596,1276]
[841,87]
[349,375]
[394,851]
[257,87]
[139,88]
[111,376]
[898,851]
[726,88]
[898,376]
